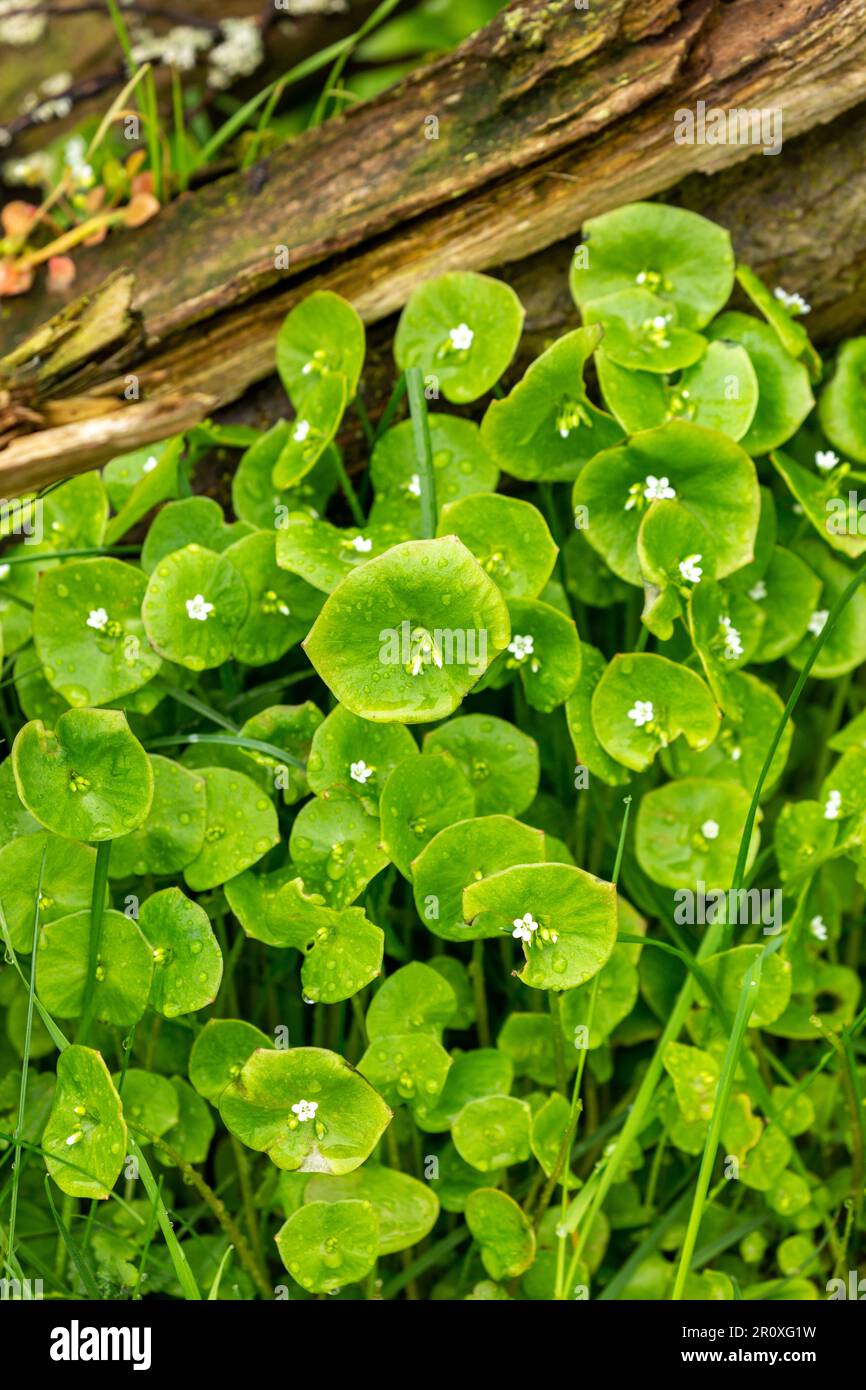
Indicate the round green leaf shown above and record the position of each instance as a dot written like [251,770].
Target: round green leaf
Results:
[192,520]
[194,607]
[321,335]
[67,882]
[352,752]
[187,961]
[124,968]
[841,409]
[509,538]
[406,1208]
[620,487]
[784,394]
[675,253]
[643,702]
[412,1000]
[409,634]
[461,854]
[193,1131]
[219,1053]
[500,761]
[462,328]
[85,1139]
[335,845]
[789,594]
[473,1075]
[254,497]
[347,1123]
[323,554]
[493,1132]
[688,832]
[461,466]
[282,607]
[89,779]
[421,796]
[503,1232]
[326,1245]
[290,727]
[720,392]
[241,827]
[544,650]
[407,1067]
[172,835]
[148,1099]
[641,332]
[546,427]
[572,922]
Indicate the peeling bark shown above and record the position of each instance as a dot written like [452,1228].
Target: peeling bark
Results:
[548,116]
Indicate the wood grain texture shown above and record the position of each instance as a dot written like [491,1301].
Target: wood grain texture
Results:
[548,116]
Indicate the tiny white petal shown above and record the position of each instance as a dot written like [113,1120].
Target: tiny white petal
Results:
[710,829]
[97,618]
[198,608]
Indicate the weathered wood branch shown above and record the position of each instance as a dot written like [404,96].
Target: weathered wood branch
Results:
[549,116]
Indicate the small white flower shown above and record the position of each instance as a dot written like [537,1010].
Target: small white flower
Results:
[301,431]
[818,928]
[657,488]
[4,571]
[640,278]
[793,302]
[833,805]
[460,338]
[413,487]
[360,772]
[826,459]
[521,647]
[524,927]
[690,569]
[733,644]
[641,712]
[660,321]
[362,544]
[818,621]
[710,829]
[198,608]
[758,591]
[736,754]
[305,1109]
[75,1137]
[149,464]
[97,618]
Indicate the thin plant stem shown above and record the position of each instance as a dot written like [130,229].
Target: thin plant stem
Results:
[97,909]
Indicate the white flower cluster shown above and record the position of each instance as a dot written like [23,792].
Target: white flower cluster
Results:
[234,50]
[833,805]
[49,101]
[19,28]
[179,48]
[690,569]
[239,54]
[793,302]
[733,642]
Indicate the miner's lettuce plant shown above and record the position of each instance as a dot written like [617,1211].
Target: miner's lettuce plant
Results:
[441,878]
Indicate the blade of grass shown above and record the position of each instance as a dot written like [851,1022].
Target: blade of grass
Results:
[238,119]
[371,22]
[25,1069]
[230,740]
[745,1005]
[97,910]
[85,1273]
[712,942]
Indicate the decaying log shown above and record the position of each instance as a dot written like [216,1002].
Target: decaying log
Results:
[548,116]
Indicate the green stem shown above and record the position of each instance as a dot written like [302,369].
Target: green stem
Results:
[423,449]
[748,996]
[25,1071]
[555,1005]
[97,909]
[349,492]
[216,1205]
